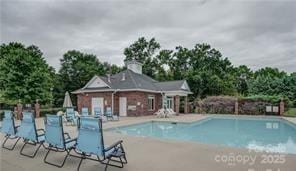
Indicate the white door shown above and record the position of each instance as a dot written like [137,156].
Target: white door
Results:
[97,102]
[122,106]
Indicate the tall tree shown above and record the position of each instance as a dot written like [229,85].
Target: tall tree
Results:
[242,75]
[24,74]
[78,68]
[206,71]
[271,72]
[144,51]
[273,86]
[57,90]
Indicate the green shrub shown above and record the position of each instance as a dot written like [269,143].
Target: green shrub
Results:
[291,112]
[219,104]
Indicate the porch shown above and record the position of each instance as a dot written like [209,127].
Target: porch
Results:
[176,100]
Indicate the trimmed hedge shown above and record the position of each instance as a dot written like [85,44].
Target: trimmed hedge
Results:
[218,104]
[252,105]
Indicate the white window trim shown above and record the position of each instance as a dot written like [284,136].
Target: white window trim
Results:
[172,99]
[151,97]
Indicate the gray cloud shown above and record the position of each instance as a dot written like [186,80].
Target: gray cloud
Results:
[256,34]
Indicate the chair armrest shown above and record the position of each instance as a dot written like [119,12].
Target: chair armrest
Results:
[67,135]
[114,145]
[41,130]
[39,135]
[70,140]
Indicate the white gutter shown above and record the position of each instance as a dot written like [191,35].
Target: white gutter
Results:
[108,90]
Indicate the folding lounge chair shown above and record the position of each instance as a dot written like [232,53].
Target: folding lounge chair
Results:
[70,116]
[57,140]
[84,111]
[99,114]
[9,129]
[90,144]
[171,112]
[109,114]
[29,133]
[160,113]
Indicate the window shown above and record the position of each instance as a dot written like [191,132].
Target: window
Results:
[170,102]
[151,103]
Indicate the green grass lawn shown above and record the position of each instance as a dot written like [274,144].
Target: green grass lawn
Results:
[291,112]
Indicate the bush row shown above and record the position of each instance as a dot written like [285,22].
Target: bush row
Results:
[43,112]
[252,105]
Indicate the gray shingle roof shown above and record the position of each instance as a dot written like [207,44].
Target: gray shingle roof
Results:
[132,81]
[171,85]
[137,81]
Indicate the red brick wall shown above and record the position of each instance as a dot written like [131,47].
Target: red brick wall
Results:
[84,100]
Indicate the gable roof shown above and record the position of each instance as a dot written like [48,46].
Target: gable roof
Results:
[96,82]
[130,81]
[173,85]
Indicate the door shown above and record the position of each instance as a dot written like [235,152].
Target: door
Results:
[122,106]
[97,102]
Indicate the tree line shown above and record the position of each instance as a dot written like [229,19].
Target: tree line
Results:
[26,76]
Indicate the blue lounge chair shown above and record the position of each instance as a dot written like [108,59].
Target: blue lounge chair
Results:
[9,129]
[109,114]
[84,111]
[56,139]
[99,114]
[90,143]
[29,133]
[70,116]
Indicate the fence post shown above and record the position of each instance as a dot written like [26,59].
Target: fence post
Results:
[236,107]
[19,110]
[282,107]
[177,105]
[186,104]
[37,109]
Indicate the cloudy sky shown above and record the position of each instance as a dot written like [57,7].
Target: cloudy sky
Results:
[254,33]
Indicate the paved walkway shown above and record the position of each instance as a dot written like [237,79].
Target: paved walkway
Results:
[150,154]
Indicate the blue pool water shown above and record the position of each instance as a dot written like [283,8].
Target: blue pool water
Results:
[271,135]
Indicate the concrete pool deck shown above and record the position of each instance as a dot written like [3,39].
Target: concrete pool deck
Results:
[151,154]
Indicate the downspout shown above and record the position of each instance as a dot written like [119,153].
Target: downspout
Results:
[113,100]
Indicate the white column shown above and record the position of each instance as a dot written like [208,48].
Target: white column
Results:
[164,101]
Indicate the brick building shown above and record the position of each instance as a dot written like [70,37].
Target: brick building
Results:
[131,93]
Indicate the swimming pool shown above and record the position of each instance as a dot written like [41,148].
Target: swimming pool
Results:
[257,133]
